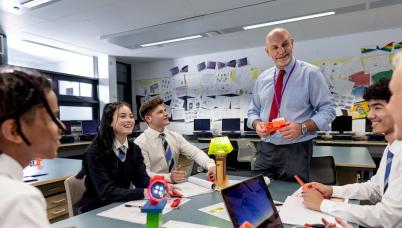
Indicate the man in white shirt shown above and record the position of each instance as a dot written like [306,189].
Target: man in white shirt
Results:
[29,128]
[161,147]
[383,190]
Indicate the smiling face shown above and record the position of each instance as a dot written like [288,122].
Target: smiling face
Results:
[380,118]
[279,46]
[123,121]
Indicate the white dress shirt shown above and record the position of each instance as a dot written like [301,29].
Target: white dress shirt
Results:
[117,145]
[154,154]
[21,205]
[387,211]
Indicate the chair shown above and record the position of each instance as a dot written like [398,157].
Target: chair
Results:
[246,152]
[322,169]
[75,188]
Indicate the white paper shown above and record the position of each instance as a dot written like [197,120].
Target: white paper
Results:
[191,115]
[375,64]
[208,82]
[178,81]
[344,102]
[193,103]
[217,210]
[177,103]
[181,91]
[167,96]
[179,224]
[222,102]
[142,91]
[294,212]
[343,87]
[235,102]
[133,214]
[195,186]
[154,88]
[166,83]
[352,66]
[178,114]
[207,102]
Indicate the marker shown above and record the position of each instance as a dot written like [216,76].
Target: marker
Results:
[314,225]
[299,180]
[130,205]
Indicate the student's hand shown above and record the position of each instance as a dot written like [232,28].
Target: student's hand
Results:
[211,173]
[291,131]
[260,129]
[333,225]
[325,190]
[312,198]
[178,175]
[172,189]
[146,193]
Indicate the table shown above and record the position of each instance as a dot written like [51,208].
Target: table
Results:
[52,185]
[75,149]
[187,213]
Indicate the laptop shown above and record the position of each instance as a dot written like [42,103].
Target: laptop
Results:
[251,201]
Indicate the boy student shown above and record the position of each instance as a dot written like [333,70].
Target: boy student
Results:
[161,147]
[384,189]
[29,128]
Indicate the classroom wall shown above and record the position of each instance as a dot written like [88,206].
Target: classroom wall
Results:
[107,80]
[309,50]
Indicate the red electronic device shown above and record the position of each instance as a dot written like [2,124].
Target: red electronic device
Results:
[275,125]
[175,203]
[157,189]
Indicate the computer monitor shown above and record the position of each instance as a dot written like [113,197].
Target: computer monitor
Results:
[89,126]
[342,123]
[202,124]
[251,201]
[245,127]
[67,125]
[369,127]
[232,124]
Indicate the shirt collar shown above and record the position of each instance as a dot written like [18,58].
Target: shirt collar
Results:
[288,68]
[117,144]
[10,167]
[396,148]
[154,133]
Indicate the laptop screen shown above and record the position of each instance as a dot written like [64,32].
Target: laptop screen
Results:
[231,124]
[202,124]
[249,201]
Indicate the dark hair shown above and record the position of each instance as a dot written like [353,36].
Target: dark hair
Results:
[21,90]
[149,106]
[378,91]
[105,133]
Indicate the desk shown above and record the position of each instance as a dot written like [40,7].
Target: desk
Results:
[72,149]
[351,143]
[348,160]
[52,185]
[187,213]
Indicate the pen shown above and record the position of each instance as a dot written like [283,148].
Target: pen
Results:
[299,180]
[130,205]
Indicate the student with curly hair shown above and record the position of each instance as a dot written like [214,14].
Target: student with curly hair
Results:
[29,128]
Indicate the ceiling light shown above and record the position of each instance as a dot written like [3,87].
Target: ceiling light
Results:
[171,41]
[289,20]
[34,3]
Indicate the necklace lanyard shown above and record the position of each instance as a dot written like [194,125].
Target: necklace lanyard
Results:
[283,88]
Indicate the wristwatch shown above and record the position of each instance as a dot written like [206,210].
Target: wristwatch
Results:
[304,129]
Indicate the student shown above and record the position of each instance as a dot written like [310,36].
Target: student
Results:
[384,189]
[161,147]
[29,128]
[112,163]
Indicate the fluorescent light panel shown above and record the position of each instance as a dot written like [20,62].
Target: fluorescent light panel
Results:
[171,41]
[34,3]
[289,20]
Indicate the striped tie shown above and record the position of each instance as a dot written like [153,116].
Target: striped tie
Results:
[122,154]
[168,152]
[390,155]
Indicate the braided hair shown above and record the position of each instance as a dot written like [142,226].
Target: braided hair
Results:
[21,90]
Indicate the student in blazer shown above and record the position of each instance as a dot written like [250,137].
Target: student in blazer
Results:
[112,163]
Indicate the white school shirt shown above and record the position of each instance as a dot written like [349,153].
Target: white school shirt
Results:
[154,154]
[387,211]
[21,205]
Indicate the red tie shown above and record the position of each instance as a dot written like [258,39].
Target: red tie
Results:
[277,96]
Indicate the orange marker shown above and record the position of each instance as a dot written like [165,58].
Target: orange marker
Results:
[299,180]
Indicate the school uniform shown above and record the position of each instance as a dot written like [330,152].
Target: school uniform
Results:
[21,204]
[110,173]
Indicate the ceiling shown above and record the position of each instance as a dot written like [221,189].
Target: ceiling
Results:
[116,27]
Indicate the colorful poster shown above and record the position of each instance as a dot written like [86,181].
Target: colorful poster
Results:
[359,110]
[384,74]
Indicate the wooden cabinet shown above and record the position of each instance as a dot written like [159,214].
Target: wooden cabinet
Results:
[56,200]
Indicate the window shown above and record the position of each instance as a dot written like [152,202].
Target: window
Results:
[76,113]
[73,88]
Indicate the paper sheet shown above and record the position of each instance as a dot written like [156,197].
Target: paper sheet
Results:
[178,114]
[293,212]
[178,224]
[343,87]
[375,64]
[133,214]
[217,210]
[195,186]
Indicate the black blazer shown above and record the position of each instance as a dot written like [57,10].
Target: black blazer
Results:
[108,179]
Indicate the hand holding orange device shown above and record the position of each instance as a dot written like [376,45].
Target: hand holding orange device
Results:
[275,125]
